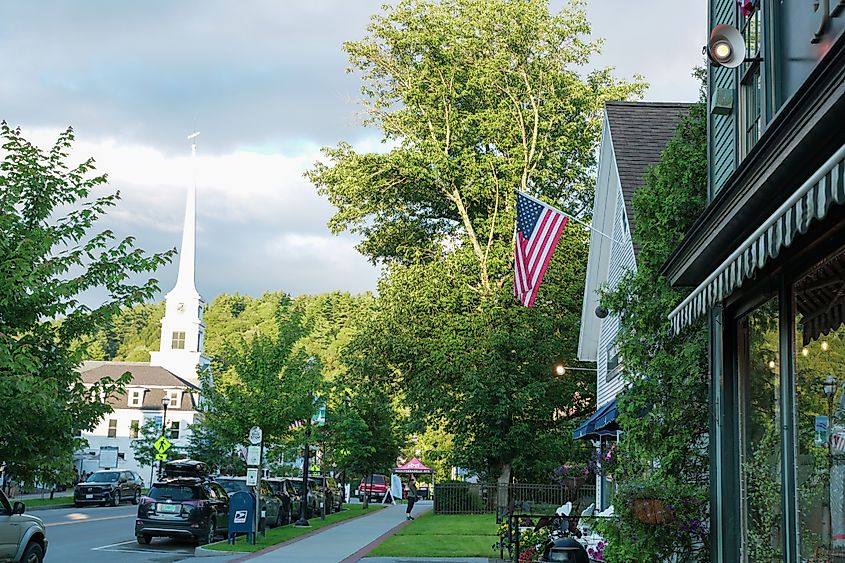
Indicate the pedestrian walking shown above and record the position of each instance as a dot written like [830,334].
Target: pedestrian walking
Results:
[412,496]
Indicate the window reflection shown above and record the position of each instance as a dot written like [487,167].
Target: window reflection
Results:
[760,452]
[819,299]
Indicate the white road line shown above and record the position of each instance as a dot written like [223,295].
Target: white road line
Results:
[145,551]
[90,520]
[112,546]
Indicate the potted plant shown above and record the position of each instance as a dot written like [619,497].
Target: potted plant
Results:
[646,501]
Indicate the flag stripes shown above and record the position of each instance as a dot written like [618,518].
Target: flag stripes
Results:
[538,229]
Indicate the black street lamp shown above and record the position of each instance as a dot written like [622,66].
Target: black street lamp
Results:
[303,501]
[165,402]
[829,388]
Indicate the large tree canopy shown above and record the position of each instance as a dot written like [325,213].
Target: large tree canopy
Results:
[49,257]
[475,98]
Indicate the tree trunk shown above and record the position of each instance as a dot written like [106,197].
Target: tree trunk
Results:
[367,490]
[502,489]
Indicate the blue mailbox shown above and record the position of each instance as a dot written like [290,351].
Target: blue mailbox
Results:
[241,515]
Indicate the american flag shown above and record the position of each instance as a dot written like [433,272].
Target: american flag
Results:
[538,228]
[296,424]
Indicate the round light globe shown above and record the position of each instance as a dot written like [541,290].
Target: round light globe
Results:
[722,51]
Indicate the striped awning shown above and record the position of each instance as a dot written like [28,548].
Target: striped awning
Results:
[601,423]
[809,203]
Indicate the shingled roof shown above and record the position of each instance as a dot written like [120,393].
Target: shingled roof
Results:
[143,374]
[639,132]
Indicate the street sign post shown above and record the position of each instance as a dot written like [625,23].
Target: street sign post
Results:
[253,461]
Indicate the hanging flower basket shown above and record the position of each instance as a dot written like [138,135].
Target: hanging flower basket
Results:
[651,511]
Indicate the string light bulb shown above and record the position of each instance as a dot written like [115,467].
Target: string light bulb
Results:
[825,345]
[805,352]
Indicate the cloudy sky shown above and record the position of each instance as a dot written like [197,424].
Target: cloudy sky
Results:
[265,82]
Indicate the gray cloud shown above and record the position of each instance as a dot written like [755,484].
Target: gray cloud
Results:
[265,81]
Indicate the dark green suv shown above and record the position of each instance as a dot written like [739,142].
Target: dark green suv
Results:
[109,486]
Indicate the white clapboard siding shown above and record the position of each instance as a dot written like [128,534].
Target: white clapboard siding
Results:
[622,259]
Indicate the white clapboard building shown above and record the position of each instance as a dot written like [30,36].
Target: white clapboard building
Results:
[633,137]
[171,372]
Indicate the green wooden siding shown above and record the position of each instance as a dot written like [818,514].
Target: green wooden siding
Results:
[722,147]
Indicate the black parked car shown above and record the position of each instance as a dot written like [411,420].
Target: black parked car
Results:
[289,498]
[315,495]
[109,486]
[331,491]
[183,506]
[270,504]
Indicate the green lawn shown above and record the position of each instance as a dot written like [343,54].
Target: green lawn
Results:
[46,501]
[285,533]
[430,535]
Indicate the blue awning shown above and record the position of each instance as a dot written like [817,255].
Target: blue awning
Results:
[601,423]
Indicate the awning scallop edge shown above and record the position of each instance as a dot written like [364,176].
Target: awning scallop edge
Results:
[810,203]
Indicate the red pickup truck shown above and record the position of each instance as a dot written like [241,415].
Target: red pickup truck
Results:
[375,489]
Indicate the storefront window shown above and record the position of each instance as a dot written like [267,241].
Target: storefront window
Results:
[760,433]
[819,300]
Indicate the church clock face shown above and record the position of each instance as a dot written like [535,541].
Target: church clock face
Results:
[180,307]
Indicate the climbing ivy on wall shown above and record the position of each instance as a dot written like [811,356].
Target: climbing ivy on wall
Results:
[664,411]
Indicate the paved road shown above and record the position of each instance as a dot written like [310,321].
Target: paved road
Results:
[104,534]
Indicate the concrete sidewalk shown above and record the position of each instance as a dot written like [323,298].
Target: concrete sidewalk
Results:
[342,542]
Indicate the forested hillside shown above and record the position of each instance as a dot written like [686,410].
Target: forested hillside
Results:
[135,332]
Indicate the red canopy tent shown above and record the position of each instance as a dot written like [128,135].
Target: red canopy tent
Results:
[414,466]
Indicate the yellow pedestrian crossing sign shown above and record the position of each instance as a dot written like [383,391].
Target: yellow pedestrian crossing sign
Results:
[162,445]
[161,457]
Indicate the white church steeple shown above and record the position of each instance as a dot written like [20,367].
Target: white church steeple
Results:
[182,329]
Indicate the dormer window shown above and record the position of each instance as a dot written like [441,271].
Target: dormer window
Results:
[178,340]
[136,397]
[175,399]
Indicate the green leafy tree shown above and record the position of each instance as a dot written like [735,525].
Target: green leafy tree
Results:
[665,408]
[474,98]
[362,435]
[143,446]
[207,446]
[265,381]
[50,256]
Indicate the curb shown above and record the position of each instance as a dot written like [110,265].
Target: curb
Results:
[200,551]
[48,507]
